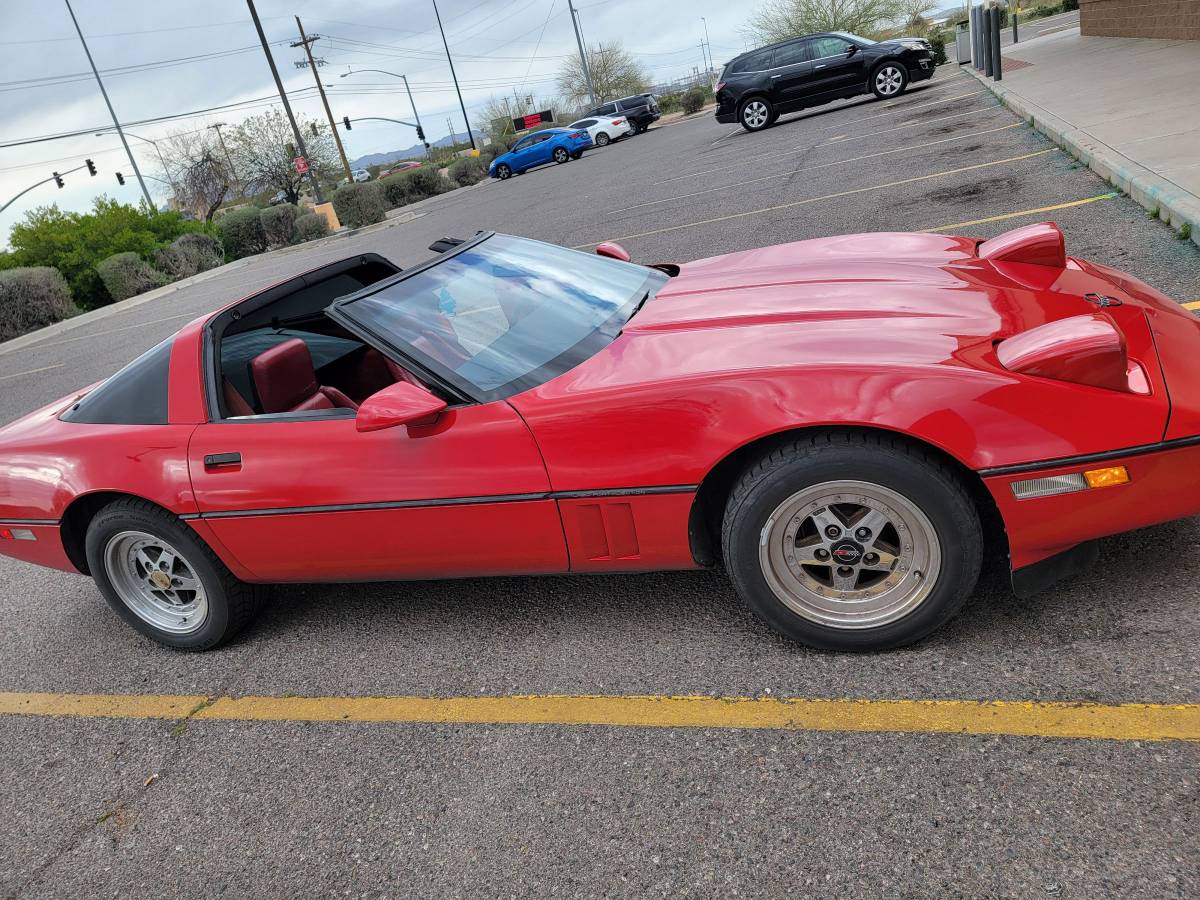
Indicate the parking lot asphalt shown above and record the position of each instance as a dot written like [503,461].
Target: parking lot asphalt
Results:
[187,805]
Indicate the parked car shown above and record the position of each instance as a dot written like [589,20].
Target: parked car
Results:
[757,87]
[400,167]
[849,423]
[604,131]
[361,175]
[640,109]
[279,197]
[538,148]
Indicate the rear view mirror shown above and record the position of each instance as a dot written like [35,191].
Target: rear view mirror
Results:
[401,403]
[613,250]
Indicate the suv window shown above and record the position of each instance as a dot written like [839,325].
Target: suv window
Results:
[790,54]
[829,46]
[583,123]
[607,109]
[755,62]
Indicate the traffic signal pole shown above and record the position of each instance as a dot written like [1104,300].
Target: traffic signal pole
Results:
[306,42]
[57,176]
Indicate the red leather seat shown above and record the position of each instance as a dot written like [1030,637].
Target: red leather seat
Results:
[286,382]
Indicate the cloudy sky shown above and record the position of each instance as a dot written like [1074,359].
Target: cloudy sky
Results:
[174,58]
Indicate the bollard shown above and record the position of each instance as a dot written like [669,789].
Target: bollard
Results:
[986,35]
[977,32]
[997,64]
[1014,18]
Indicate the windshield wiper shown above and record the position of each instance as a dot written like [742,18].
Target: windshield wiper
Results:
[637,308]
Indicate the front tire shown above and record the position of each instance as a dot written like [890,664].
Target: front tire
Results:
[503,171]
[889,80]
[756,114]
[561,155]
[163,580]
[852,542]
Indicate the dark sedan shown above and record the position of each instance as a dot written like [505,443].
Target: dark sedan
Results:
[757,87]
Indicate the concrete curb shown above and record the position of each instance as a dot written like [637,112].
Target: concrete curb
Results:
[105,312]
[1175,206]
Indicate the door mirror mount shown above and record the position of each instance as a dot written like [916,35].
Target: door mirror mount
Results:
[401,403]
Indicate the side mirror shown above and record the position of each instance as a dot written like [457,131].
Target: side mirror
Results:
[852,50]
[613,250]
[398,404]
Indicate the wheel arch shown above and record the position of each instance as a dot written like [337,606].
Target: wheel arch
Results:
[708,507]
[78,516]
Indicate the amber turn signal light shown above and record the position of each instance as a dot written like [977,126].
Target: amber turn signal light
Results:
[1113,475]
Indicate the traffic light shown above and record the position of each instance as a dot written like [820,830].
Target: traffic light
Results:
[120,178]
[420,133]
[58,179]
[346,121]
[314,130]
[91,167]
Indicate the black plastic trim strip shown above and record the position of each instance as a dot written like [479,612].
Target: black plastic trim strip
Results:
[30,521]
[1140,450]
[446,501]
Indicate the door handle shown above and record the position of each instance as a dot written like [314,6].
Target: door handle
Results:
[776,76]
[222,460]
[821,66]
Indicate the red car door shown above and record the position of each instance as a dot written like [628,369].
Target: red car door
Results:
[317,500]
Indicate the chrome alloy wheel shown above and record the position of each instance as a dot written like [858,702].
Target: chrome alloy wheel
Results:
[156,582]
[755,114]
[850,554]
[888,80]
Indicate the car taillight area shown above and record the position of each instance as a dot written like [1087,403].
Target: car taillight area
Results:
[578,135]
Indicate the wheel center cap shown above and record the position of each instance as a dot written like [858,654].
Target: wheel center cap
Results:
[846,553]
[160,580]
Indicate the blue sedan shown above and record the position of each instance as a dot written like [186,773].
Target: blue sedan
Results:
[555,145]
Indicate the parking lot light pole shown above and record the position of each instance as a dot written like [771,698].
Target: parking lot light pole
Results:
[587,72]
[462,106]
[411,102]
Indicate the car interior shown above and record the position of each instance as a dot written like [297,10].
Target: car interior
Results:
[278,353]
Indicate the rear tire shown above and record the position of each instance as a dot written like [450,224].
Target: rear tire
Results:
[852,542]
[163,580]
[602,140]
[756,113]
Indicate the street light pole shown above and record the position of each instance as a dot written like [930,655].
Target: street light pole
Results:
[262,37]
[111,112]
[411,102]
[587,73]
[462,105]
[162,161]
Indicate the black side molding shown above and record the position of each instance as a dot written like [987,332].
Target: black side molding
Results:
[1034,579]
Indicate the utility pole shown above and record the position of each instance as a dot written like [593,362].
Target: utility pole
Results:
[450,129]
[462,105]
[312,176]
[587,73]
[711,66]
[306,42]
[108,103]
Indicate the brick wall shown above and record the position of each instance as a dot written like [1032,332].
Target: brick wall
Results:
[1169,19]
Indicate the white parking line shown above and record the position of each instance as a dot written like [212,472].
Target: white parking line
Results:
[32,371]
[94,334]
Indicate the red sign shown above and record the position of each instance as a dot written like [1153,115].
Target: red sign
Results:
[532,120]
[301,165]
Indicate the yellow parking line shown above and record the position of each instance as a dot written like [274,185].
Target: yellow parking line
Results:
[1122,722]
[840,162]
[795,203]
[1193,304]
[1024,212]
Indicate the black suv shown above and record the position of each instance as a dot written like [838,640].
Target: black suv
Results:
[640,110]
[756,87]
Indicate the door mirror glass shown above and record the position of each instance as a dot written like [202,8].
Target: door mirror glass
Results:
[398,404]
[852,49]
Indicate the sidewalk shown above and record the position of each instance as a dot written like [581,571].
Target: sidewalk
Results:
[1125,106]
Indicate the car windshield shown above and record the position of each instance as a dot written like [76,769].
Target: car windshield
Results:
[854,38]
[503,314]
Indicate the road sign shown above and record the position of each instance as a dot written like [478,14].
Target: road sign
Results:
[301,165]
[521,123]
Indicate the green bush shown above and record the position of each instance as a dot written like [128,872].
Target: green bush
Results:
[412,185]
[692,100]
[32,298]
[669,103]
[937,41]
[468,171]
[1070,5]
[357,205]
[189,254]
[279,223]
[242,232]
[74,242]
[492,150]
[126,275]
[311,226]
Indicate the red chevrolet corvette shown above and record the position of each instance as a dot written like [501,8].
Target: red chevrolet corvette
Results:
[846,423]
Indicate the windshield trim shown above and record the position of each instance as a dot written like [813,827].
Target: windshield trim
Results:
[407,355]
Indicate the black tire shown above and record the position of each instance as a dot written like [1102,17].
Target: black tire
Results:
[561,155]
[503,171]
[899,78]
[756,113]
[603,140]
[919,478]
[578,154]
[232,604]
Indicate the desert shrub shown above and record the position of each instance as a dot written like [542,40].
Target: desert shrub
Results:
[279,223]
[413,185]
[242,232]
[75,242]
[692,100]
[31,298]
[357,205]
[468,171]
[311,226]
[669,103]
[126,275]
[189,254]
[937,41]
[492,150]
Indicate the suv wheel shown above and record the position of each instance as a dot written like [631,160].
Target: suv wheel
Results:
[889,80]
[756,114]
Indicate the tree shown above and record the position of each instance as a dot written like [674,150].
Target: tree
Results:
[497,113]
[198,170]
[915,14]
[615,73]
[263,150]
[778,21]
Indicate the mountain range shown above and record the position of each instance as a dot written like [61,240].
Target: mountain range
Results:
[416,151]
